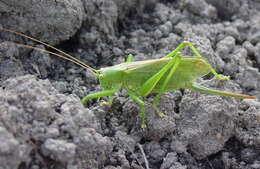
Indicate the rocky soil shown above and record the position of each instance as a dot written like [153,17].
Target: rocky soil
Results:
[43,125]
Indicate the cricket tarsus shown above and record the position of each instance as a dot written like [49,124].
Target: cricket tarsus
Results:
[141,78]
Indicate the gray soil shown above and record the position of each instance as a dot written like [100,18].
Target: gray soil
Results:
[43,125]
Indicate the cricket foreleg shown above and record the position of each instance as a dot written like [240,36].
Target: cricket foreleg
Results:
[162,89]
[99,94]
[205,90]
[142,108]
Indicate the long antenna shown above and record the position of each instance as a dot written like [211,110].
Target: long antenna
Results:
[46,51]
[66,57]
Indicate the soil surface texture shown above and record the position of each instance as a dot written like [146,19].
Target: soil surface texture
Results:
[43,125]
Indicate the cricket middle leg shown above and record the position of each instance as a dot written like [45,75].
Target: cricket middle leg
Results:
[142,108]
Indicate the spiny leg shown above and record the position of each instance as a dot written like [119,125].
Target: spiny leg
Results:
[142,108]
[162,89]
[98,95]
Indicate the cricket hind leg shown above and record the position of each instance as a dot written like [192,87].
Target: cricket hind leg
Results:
[99,95]
[150,84]
[162,89]
[142,108]
[202,89]
[183,45]
[197,54]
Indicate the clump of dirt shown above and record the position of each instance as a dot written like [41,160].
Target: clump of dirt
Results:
[43,125]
